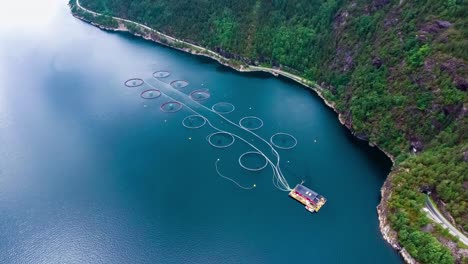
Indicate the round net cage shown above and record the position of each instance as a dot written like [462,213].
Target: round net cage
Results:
[134,82]
[251,122]
[253,161]
[171,107]
[150,94]
[179,84]
[283,141]
[194,121]
[161,74]
[223,108]
[220,139]
[200,95]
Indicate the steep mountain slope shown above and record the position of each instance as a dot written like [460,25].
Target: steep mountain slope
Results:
[396,71]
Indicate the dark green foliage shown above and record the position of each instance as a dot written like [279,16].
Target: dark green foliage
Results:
[442,170]
[390,69]
[425,248]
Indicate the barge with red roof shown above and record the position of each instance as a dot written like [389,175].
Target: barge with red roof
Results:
[312,200]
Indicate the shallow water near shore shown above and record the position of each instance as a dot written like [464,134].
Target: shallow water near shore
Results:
[92,173]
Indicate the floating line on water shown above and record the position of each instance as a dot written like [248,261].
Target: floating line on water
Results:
[279,181]
[229,179]
[246,119]
[190,119]
[134,82]
[161,74]
[208,138]
[150,94]
[287,136]
[178,84]
[200,95]
[252,169]
[171,106]
[220,105]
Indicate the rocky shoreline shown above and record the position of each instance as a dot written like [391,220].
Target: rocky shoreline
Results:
[388,233]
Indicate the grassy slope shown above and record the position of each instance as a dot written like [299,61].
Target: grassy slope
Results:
[396,71]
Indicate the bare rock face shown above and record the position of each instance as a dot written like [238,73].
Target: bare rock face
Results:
[459,253]
[340,19]
[416,145]
[461,83]
[381,3]
[348,61]
[362,136]
[428,228]
[453,110]
[455,68]
[390,22]
[449,66]
[407,257]
[443,24]
[432,28]
[465,184]
[377,62]
[378,4]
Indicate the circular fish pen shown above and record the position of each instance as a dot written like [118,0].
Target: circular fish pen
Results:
[223,108]
[251,122]
[283,141]
[134,82]
[220,139]
[200,95]
[171,107]
[179,84]
[150,94]
[194,121]
[253,161]
[161,74]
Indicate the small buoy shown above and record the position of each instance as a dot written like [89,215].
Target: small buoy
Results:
[288,161]
[255,185]
[218,159]
[165,120]
[190,138]
[315,140]
[250,107]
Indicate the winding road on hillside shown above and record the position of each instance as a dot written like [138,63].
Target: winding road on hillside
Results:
[435,215]
[212,53]
[148,28]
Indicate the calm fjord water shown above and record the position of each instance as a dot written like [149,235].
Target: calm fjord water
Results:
[88,174]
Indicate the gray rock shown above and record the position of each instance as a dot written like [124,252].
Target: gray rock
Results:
[443,24]
[461,83]
[428,228]
[416,145]
[377,62]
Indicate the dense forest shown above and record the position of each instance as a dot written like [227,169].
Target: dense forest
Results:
[395,69]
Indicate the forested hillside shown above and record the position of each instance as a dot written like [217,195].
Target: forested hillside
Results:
[395,69]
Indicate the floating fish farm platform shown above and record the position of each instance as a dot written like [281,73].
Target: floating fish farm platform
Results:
[312,200]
